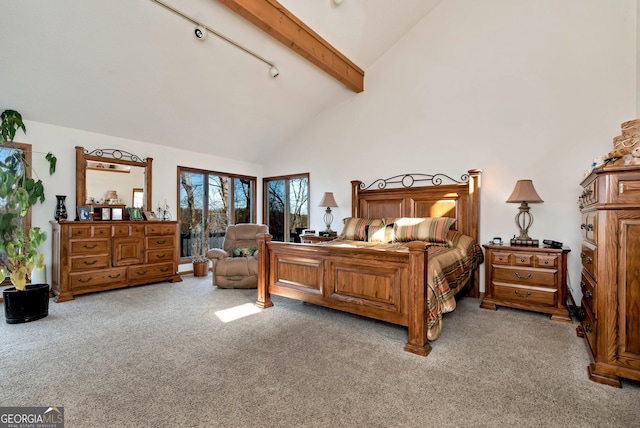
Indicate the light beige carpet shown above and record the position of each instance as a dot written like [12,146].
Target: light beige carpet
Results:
[159,356]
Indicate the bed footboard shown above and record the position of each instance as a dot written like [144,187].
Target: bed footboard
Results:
[389,286]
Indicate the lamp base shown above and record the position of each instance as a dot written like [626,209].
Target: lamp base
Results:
[517,242]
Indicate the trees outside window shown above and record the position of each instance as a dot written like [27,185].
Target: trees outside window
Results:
[286,206]
[230,199]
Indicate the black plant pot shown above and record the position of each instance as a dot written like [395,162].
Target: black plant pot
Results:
[28,305]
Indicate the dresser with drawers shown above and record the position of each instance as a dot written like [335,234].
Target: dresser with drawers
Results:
[528,278]
[91,256]
[610,278]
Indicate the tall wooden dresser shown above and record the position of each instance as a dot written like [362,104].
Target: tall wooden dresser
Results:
[93,256]
[610,280]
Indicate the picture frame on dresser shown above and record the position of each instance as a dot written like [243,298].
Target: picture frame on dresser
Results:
[105,214]
[135,214]
[83,213]
[116,213]
[150,215]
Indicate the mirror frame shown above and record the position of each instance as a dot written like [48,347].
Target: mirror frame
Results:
[111,156]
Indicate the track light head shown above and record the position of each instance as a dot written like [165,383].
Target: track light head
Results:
[274,72]
[200,32]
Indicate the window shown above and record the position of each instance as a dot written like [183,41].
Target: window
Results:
[286,206]
[6,150]
[230,199]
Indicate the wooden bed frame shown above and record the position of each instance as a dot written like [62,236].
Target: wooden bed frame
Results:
[389,286]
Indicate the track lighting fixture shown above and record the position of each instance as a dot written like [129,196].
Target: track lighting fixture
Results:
[201,32]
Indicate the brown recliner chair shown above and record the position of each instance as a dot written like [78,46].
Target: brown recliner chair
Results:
[236,264]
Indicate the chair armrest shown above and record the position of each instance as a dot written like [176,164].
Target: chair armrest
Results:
[217,253]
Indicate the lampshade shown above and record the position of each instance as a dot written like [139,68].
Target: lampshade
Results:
[524,192]
[328,200]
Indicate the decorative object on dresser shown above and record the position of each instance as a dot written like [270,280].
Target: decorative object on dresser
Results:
[524,193]
[527,278]
[610,279]
[103,255]
[83,213]
[61,208]
[19,240]
[395,281]
[328,201]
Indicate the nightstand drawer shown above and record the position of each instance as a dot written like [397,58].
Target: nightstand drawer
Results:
[546,261]
[539,277]
[524,295]
[500,258]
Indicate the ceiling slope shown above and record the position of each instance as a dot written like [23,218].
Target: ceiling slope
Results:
[132,69]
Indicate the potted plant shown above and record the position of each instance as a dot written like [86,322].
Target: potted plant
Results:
[198,250]
[19,244]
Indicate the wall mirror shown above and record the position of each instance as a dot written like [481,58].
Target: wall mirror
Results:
[112,177]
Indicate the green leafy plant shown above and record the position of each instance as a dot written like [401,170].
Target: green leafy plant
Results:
[19,253]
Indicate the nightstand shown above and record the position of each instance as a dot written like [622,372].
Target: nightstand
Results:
[528,278]
[312,239]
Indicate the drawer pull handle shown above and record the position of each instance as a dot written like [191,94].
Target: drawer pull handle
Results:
[84,281]
[527,276]
[589,227]
[164,241]
[546,262]
[582,313]
[582,285]
[90,263]
[588,260]
[519,294]
[583,226]
[89,247]
[142,272]
[521,260]
[587,327]
[164,270]
[114,276]
[161,256]
[588,294]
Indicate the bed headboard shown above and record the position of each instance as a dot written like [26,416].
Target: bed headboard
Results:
[442,196]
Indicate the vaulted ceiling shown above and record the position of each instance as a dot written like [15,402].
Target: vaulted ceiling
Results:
[133,69]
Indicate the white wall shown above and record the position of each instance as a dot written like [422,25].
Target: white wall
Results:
[521,89]
[62,142]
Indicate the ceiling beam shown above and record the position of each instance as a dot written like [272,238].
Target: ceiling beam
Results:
[274,19]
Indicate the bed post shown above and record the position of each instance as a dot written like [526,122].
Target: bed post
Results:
[474,199]
[264,298]
[355,205]
[417,308]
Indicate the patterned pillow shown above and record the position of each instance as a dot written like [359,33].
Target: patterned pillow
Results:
[380,233]
[244,252]
[355,229]
[429,229]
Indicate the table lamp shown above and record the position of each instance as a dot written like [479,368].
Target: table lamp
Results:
[524,193]
[328,201]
